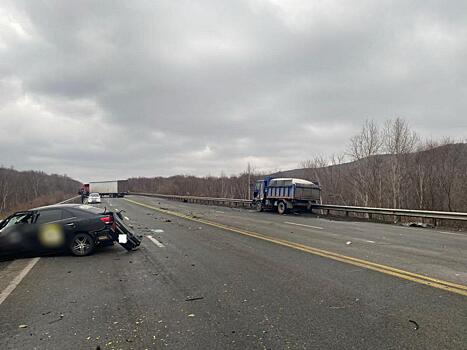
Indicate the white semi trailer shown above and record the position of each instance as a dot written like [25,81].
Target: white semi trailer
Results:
[116,188]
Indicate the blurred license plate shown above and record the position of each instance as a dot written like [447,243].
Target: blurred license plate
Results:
[122,239]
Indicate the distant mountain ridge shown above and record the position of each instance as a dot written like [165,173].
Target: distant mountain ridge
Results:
[433,179]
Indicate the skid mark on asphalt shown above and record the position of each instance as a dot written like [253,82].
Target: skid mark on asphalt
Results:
[452,233]
[17,280]
[155,241]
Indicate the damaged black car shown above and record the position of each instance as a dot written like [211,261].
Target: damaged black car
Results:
[74,228]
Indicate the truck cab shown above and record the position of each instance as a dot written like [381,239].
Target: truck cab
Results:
[260,189]
[84,190]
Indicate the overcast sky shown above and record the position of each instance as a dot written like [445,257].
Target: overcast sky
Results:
[113,89]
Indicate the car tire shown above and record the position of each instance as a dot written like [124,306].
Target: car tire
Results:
[82,244]
[281,207]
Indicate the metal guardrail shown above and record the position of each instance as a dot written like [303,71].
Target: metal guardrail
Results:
[447,215]
[232,202]
[435,215]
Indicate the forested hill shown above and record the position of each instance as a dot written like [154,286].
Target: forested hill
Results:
[432,179]
[20,190]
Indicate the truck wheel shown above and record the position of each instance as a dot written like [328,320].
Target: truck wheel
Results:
[259,207]
[281,208]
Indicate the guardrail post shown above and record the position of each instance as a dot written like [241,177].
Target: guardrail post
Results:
[346,213]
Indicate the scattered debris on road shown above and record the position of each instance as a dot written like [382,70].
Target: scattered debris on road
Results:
[417,224]
[348,242]
[57,319]
[23,326]
[194,298]
[415,324]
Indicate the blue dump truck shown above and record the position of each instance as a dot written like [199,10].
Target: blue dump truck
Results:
[285,194]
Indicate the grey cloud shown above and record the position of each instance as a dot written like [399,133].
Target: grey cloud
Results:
[158,88]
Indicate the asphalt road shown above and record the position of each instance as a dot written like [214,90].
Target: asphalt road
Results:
[193,285]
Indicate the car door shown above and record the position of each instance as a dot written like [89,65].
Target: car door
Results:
[72,224]
[15,235]
[51,229]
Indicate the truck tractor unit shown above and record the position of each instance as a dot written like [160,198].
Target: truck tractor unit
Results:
[286,194]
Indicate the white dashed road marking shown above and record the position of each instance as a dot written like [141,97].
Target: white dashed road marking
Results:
[17,280]
[296,224]
[155,241]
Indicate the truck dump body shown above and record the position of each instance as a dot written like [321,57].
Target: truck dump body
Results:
[293,189]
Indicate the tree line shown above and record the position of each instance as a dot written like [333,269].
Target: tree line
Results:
[235,186]
[21,190]
[391,166]
[386,165]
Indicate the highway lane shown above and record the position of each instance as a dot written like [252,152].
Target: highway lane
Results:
[255,294]
[424,251]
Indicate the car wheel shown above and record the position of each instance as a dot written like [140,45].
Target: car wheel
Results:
[281,208]
[82,244]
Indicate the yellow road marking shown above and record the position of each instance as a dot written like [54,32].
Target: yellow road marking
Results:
[410,276]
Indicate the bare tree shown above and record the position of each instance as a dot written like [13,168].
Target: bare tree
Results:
[310,167]
[449,170]
[363,150]
[398,140]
